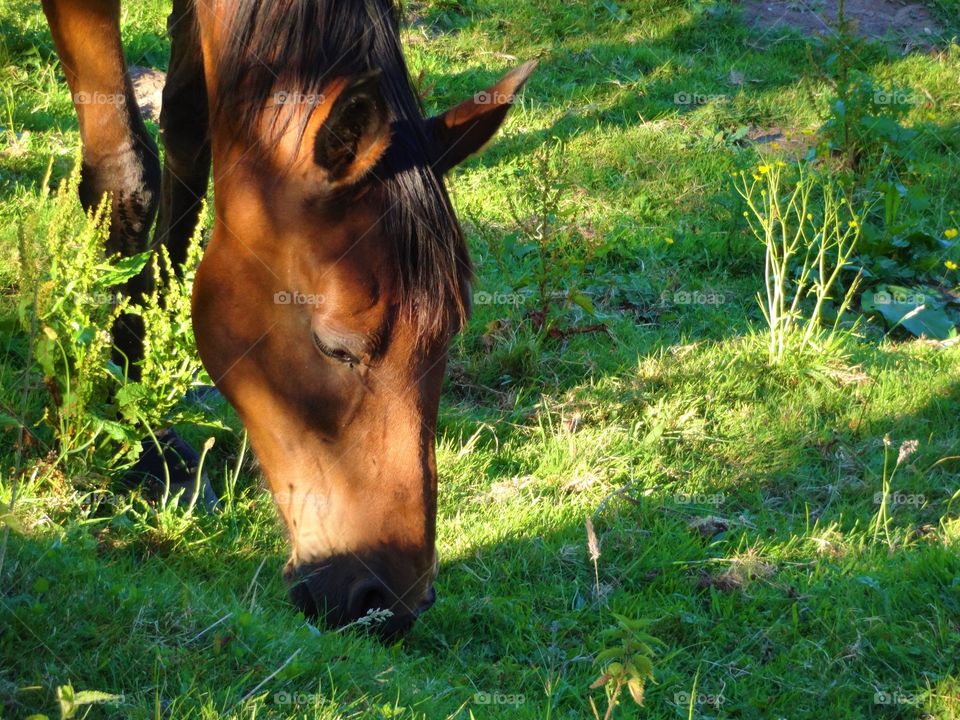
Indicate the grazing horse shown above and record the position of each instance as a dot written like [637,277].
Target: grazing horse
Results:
[336,273]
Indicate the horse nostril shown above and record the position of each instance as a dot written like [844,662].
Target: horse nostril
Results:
[365,596]
[428,600]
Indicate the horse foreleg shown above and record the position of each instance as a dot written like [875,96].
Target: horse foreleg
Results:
[119,156]
[184,125]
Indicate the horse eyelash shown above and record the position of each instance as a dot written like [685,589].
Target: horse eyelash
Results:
[335,354]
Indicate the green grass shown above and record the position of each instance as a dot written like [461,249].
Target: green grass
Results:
[733,502]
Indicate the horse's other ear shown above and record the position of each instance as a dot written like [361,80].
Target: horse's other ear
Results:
[464,129]
[355,132]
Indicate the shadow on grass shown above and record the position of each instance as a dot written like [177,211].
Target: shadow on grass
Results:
[781,610]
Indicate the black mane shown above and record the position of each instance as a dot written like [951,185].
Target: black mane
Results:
[298,46]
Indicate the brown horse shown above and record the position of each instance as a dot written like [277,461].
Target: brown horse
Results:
[336,273]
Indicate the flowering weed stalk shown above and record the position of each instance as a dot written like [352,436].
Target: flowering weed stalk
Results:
[810,233]
[881,520]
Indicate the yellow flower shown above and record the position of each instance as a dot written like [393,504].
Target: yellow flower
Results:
[756,177]
[951,233]
[668,240]
[852,223]
[764,169]
[951,265]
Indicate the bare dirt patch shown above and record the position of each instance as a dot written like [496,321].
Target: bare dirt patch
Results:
[782,141]
[907,23]
[148,89]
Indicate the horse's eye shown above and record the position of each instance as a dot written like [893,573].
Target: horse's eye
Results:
[337,354]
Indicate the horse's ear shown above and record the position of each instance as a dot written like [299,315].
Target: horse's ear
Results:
[355,132]
[464,129]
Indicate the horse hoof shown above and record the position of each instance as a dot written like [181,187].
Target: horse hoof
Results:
[176,459]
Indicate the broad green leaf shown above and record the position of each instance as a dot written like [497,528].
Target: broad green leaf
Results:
[71,701]
[11,521]
[85,336]
[119,271]
[46,354]
[609,654]
[931,322]
[910,308]
[131,394]
[118,431]
[633,624]
[642,665]
[578,298]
